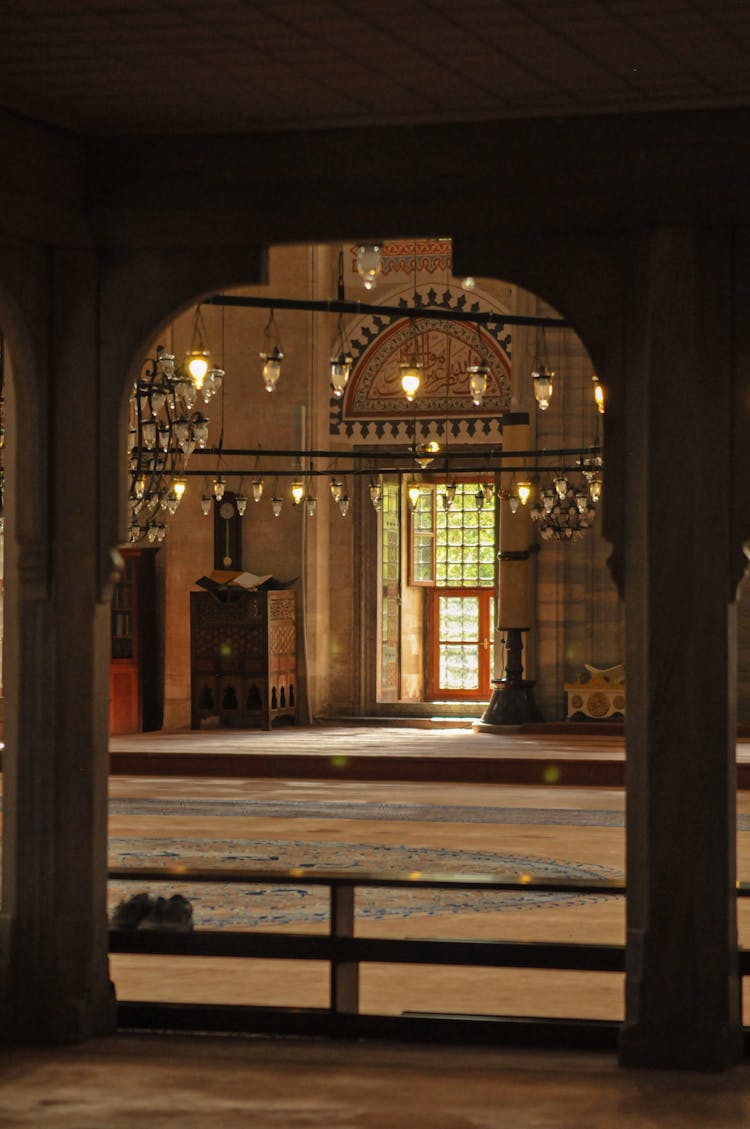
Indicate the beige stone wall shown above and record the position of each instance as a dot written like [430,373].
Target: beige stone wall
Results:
[743,649]
[293,416]
[577,615]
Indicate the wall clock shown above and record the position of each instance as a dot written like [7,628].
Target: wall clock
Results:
[227,534]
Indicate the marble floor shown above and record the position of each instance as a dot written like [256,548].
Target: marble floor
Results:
[201,1083]
[154,1082]
[434,827]
[445,826]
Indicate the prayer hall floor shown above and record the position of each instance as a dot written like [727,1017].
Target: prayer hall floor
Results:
[156,1081]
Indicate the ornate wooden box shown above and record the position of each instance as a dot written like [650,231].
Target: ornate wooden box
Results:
[597,694]
[243,658]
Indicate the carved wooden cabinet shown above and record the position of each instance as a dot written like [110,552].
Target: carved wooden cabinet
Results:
[243,658]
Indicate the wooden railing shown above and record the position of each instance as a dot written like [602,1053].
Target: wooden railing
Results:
[345,953]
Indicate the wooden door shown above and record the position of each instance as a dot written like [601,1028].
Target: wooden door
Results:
[389,627]
[124,695]
[461,644]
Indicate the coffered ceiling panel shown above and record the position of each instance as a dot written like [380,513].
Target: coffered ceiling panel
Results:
[150,66]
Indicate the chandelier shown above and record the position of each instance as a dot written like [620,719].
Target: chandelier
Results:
[566,511]
[165,429]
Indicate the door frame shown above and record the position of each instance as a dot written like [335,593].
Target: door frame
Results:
[434,692]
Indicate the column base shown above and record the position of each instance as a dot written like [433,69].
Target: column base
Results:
[512,703]
[676,1050]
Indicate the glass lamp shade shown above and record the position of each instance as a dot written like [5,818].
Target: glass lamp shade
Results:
[479,498]
[337,489]
[161,532]
[595,489]
[298,492]
[165,434]
[199,426]
[369,261]
[219,487]
[158,398]
[276,504]
[241,501]
[208,388]
[257,488]
[343,505]
[425,452]
[561,485]
[376,494]
[171,502]
[271,370]
[206,504]
[341,368]
[197,363]
[134,532]
[412,496]
[524,492]
[410,374]
[542,379]
[164,362]
[212,383]
[181,429]
[186,391]
[148,434]
[514,502]
[151,532]
[478,382]
[179,485]
[598,395]
[582,502]
[140,487]
[311,504]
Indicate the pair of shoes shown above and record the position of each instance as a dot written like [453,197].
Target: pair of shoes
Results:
[130,913]
[174,914]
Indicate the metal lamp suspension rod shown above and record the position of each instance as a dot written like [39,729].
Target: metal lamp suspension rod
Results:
[430,472]
[433,313]
[408,453]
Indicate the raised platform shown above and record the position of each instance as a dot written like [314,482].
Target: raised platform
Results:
[568,755]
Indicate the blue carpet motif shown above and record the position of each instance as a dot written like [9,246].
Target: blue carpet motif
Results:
[281,904]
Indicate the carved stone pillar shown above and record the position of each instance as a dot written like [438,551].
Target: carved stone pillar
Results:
[512,701]
[672,417]
[54,979]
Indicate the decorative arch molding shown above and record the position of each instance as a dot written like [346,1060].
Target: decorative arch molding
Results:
[141,291]
[586,280]
[24,324]
[374,406]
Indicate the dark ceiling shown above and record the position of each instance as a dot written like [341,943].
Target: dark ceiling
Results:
[108,67]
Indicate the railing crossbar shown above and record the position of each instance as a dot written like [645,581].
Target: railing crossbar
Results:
[299,876]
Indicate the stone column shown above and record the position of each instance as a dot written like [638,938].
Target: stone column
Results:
[54,979]
[672,416]
[512,701]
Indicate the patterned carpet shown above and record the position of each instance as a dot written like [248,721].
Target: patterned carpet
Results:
[270,905]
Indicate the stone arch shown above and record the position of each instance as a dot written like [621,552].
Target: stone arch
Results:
[141,292]
[586,281]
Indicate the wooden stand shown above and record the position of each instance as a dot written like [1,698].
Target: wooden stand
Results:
[243,658]
[595,697]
